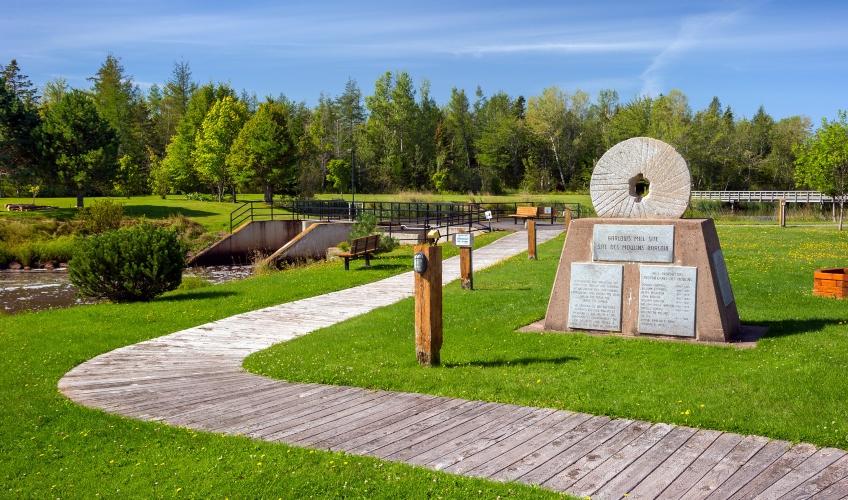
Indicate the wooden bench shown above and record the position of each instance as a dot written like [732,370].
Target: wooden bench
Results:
[361,246]
[524,213]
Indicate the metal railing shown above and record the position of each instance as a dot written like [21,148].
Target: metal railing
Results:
[764,196]
[394,215]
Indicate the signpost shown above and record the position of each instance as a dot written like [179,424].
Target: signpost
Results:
[465,241]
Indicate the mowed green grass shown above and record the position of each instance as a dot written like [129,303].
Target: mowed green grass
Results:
[51,447]
[213,215]
[791,386]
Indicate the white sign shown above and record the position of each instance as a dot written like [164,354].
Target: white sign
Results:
[625,243]
[595,297]
[463,239]
[488,214]
[667,300]
[546,210]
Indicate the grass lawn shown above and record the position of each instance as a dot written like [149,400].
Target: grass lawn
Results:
[791,386]
[213,215]
[53,448]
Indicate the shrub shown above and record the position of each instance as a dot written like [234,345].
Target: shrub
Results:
[193,283]
[101,216]
[366,226]
[128,265]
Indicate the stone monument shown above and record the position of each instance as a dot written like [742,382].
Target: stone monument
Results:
[639,268]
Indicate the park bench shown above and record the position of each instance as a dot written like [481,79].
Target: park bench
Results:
[361,246]
[529,213]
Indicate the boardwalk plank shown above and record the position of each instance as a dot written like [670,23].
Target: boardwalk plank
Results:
[511,443]
[838,490]
[769,453]
[337,441]
[633,474]
[488,442]
[831,474]
[726,467]
[540,449]
[596,479]
[460,438]
[703,464]
[667,472]
[606,440]
[779,469]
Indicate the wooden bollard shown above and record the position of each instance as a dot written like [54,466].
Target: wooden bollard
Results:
[428,307]
[531,239]
[567,215]
[782,217]
[466,276]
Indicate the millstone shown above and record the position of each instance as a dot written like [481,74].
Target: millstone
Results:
[638,164]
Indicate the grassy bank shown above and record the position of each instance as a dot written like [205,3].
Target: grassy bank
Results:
[791,386]
[53,448]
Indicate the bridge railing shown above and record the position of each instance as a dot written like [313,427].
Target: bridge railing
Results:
[764,196]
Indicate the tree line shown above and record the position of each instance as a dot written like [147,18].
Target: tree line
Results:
[186,137]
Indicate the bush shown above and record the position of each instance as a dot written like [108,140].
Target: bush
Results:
[367,225]
[100,217]
[128,265]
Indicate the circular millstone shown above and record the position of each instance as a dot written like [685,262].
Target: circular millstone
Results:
[633,167]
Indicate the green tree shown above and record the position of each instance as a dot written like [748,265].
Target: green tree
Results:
[81,146]
[121,103]
[53,91]
[502,144]
[179,161]
[20,137]
[822,162]
[219,130]
[338,172]
[263,153]
[19,84]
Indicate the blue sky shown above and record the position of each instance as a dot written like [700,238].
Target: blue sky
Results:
[791,57]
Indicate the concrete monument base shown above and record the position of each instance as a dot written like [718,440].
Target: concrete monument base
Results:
[662,277]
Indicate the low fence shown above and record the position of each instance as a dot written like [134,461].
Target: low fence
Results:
[395,215]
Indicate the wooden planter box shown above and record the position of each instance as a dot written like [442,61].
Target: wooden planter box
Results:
[830,282]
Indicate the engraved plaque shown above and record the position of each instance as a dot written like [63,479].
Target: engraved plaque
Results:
[595,298]
[667,300]
[723,278]
[621,243]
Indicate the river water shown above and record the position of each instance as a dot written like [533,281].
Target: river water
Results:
[40,290]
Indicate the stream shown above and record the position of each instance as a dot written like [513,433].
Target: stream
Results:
[40,290]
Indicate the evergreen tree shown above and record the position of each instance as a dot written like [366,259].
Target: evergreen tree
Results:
[81,146]
[20,137]
[19,84]
[121,103]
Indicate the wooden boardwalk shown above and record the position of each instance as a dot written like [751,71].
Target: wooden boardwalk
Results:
[194,378]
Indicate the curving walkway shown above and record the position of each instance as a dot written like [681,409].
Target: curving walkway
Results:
[193,378]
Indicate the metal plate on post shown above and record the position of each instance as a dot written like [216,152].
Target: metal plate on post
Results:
[463,239]
[632,243]
[667,300]
[595,296]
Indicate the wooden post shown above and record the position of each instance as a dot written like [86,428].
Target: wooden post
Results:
[428,307]
[466,273]
[567,218]
[531,239]
[782,217]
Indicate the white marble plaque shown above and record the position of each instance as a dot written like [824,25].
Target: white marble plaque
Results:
[595,298]
[723,278]
[622,243]
[667,300]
